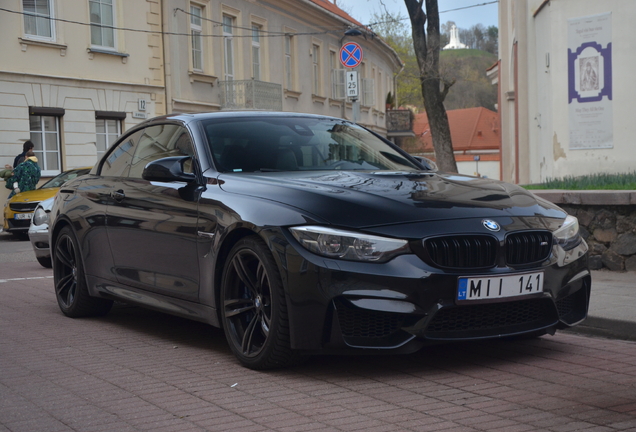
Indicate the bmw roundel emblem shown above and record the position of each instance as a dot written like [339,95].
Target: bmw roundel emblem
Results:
[491,225]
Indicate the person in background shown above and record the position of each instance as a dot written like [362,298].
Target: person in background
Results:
[27,146]
[7,172]
[25,176]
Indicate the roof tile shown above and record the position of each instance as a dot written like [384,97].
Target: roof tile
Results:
[471,129]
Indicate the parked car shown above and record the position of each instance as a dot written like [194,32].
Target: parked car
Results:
[39,232]
[18,210]
[300,234]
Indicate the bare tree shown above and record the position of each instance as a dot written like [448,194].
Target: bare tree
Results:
[434,88]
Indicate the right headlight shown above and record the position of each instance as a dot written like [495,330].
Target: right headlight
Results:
[567,236]
[347,245]
[40,217]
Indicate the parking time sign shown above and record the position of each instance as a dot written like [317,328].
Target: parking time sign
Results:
[352,83]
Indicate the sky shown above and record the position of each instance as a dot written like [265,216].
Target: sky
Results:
[363,11]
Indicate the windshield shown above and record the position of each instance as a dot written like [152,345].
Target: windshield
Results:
[60,179]
[298,143]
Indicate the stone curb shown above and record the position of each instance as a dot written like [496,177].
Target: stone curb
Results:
[606,327]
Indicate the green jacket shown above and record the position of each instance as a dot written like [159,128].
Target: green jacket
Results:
[27,174]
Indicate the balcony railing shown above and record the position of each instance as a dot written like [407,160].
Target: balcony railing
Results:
[251,94]
[399,121]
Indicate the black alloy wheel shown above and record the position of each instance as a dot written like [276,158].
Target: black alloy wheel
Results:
[70,283]
[254,311]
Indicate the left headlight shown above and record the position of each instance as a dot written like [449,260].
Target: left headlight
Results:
[567,236]
[40,217]
[346,245]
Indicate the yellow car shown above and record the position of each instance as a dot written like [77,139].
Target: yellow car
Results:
[18,210]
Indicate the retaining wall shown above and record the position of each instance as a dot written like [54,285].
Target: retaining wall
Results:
[608,224]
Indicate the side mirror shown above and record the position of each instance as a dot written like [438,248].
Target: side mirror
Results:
[168,169]
[426,163]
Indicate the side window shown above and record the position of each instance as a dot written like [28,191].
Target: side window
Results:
[159,142]
[118,161]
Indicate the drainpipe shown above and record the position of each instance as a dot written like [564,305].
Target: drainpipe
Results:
[395,87]
[165,42]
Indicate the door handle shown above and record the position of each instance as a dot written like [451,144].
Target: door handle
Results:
[118,195]
[204,234]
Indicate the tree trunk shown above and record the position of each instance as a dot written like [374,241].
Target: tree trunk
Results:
[434,88]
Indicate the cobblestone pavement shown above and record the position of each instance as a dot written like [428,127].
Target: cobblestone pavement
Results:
[140,370]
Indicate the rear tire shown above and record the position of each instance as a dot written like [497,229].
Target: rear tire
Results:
[254,311]
[71,289]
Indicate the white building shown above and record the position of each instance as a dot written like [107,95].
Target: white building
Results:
[566,88]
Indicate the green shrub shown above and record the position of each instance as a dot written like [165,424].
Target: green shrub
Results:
[590,182]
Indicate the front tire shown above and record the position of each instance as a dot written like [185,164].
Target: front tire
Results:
[71,290]
[45,262]
[254,312]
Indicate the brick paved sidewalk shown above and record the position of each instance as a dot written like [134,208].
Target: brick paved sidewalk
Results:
[140,370]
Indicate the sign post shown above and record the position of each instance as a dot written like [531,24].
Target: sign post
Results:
[351,57]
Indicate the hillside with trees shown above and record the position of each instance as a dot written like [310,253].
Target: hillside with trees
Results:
[472,88]
[466,67]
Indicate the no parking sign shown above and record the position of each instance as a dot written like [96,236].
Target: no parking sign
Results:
[351,55]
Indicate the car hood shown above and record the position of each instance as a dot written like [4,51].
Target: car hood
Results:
[35,195]
[365,199]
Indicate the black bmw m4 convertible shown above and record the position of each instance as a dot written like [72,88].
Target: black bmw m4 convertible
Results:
[301,234]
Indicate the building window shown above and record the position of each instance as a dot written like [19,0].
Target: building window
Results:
[107,132]
[256,51]
[45,134]
[380,91]
[367,96]
[37,18]
[315,55]
[289,60]
[367,87]
[197,40]
[228,46]
[102,23]
[337,76]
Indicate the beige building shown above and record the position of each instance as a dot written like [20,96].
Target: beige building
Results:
[277,55]
[566,88]
[72,87]
[77,73]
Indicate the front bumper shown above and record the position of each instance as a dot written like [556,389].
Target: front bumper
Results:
[16,225]
[405,304]
[39,237]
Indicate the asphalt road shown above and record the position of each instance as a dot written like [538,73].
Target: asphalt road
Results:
[140,370]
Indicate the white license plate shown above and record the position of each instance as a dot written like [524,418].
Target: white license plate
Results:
[487,288]
[23,216]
